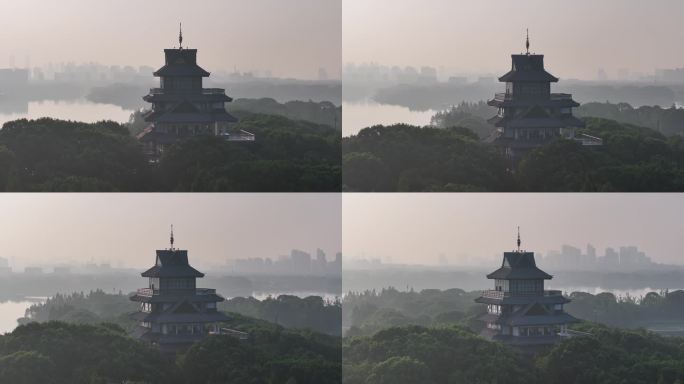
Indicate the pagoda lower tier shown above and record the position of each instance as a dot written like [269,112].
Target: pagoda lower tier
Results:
[177,317]
[525,320]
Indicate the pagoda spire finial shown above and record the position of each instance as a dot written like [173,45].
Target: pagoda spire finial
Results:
[180,35]
[527,40]
[518,238]
[171,237]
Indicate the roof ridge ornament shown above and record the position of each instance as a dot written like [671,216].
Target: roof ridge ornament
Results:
[518,239]
[180,35]
[527,41]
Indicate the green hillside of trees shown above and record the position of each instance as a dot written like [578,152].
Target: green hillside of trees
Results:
[455,355]
[410,158]
[55,155]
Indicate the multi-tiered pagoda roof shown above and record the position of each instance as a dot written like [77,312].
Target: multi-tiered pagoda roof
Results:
[519,310]
[173,311]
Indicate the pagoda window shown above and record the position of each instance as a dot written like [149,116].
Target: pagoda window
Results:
[218,105]
[501,285]
[494,309]
[211,305]
[566,110]
[154,283]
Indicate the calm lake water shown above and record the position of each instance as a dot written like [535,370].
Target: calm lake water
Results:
[10,311]
[79,110]
[356,116]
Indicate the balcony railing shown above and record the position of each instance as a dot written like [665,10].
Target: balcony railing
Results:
[213,91]
[493,294]
[149,292]
[503,96]
[206,91]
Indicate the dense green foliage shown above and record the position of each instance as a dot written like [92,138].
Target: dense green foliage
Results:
[291,312]
[468,115]
[288,156]
[324,113]
[614,356]
[55,155]
[668,121]
[368,312]
[272,355]
[652,309]
[435,355]
[446,355]
[71,354]
[92,308]
[407,158]
[57,352]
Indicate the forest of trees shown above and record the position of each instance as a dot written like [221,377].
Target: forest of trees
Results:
[60,352]
[456,355]
[370,311]
[55,155]
[292,312]
[311,312]
[410,158]
[83,338]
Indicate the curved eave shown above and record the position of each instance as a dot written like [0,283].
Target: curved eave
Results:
[566,103]
[181,70]
[528,77]
[166,97]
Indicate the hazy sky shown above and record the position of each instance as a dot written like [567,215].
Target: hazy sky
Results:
[128,228]
[475,229]
[577,37]
[292,38]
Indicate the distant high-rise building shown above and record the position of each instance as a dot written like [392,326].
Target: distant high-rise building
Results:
[181,108]
[519,311]
[529,115]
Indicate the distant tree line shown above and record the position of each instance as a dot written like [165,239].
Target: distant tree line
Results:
[292,312]
[55,155]
[369,311]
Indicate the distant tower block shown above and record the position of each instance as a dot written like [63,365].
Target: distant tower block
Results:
[173,311]
[519,311]
[181,108]
[529,115]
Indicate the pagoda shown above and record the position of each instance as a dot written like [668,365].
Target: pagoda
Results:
[181,108]
[529,115]
[519,311]
[173,311]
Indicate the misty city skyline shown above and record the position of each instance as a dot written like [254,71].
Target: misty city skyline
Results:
[473,230]
[135,34]
[478,37]
[126,229]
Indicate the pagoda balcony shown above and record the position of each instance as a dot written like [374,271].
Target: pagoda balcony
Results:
[213,91]
[149,292]
[205,91]
[493,294]
[503,96]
